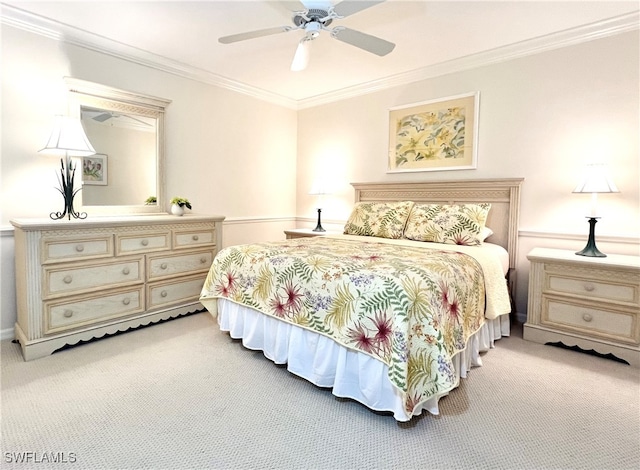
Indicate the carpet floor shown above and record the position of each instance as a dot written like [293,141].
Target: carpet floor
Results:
[182,394]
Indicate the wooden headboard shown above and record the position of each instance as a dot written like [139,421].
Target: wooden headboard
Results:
[503,194]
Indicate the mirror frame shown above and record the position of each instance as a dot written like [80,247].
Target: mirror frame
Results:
[84,93]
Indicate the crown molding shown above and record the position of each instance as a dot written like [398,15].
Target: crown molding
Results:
[601,29]
[12,16]
[36,24]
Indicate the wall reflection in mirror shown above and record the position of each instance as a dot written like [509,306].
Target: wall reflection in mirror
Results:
[127,175]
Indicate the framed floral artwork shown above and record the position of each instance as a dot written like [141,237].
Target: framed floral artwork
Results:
[434,135]
[94,169]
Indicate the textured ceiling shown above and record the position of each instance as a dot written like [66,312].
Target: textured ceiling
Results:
[426,33]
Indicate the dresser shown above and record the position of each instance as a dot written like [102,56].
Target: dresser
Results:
[592,303]
[81,279]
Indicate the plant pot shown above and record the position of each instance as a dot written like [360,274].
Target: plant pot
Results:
[177,209]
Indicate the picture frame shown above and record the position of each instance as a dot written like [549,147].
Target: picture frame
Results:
[95,169]
[435,135]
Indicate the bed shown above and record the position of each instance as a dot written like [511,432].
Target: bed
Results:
[381,314]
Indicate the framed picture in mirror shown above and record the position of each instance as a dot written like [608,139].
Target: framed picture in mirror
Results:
[95,170]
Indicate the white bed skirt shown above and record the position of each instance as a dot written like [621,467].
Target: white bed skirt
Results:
[350,374]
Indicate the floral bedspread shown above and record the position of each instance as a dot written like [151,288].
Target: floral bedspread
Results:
[412,308]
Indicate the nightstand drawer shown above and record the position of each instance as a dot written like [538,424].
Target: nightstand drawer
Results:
[589,319]
[82,277]
[585,283]
[71,314]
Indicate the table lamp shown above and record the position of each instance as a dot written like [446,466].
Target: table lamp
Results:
[319,189]
[596,181]
[68,139]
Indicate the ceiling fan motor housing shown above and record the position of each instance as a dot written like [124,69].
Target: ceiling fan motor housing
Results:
[314,15]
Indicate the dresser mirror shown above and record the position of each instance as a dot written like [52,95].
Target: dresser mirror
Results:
[127,131]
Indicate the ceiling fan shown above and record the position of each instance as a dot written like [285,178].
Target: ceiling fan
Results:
[105,116]
[316,16]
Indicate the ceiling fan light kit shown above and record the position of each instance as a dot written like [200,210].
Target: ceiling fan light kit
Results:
[314,20]
[301,58]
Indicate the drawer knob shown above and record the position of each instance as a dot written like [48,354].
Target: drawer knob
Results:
[67,279]
[79,248]
[68,313]
[163,266]
[144,242]
[126,271]
[203,260]
[163,293]
[126,301]
[589,287]
[195,238]
[587,317]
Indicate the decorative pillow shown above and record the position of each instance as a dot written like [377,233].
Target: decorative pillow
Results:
[379,219]
[458,224]
[485,233]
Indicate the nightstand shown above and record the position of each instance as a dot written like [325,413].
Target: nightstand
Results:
[305,232]
[592,303]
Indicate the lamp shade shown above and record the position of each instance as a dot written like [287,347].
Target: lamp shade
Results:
[319,188]
[596,180]
[68,138]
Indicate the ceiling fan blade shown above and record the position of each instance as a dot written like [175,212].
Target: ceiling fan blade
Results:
[102,117]
[294,5]
[349,7]
[364,41]
[254,34]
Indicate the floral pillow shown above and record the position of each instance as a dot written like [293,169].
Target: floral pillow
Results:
[457,224]
[378,219]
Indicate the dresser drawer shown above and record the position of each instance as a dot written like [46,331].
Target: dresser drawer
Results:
[588,318]
[77,248]
[161,266]
[183,290]
[597,285]
[81,277]
[69,314]
[194,238]
[142,242]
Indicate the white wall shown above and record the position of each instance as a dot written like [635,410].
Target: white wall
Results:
[230,154]
[541,118]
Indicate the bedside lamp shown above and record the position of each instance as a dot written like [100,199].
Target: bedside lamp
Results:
[68,139]
[596,181]
[319,189]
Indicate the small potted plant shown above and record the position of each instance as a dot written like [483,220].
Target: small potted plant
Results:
[178,204]
[150,201]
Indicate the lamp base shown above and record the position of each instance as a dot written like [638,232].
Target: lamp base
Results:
[590,249]
[67,175]
[319,225]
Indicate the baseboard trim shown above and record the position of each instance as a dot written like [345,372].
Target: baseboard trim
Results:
[7,333]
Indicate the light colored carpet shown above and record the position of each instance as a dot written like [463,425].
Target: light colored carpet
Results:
[182,394]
